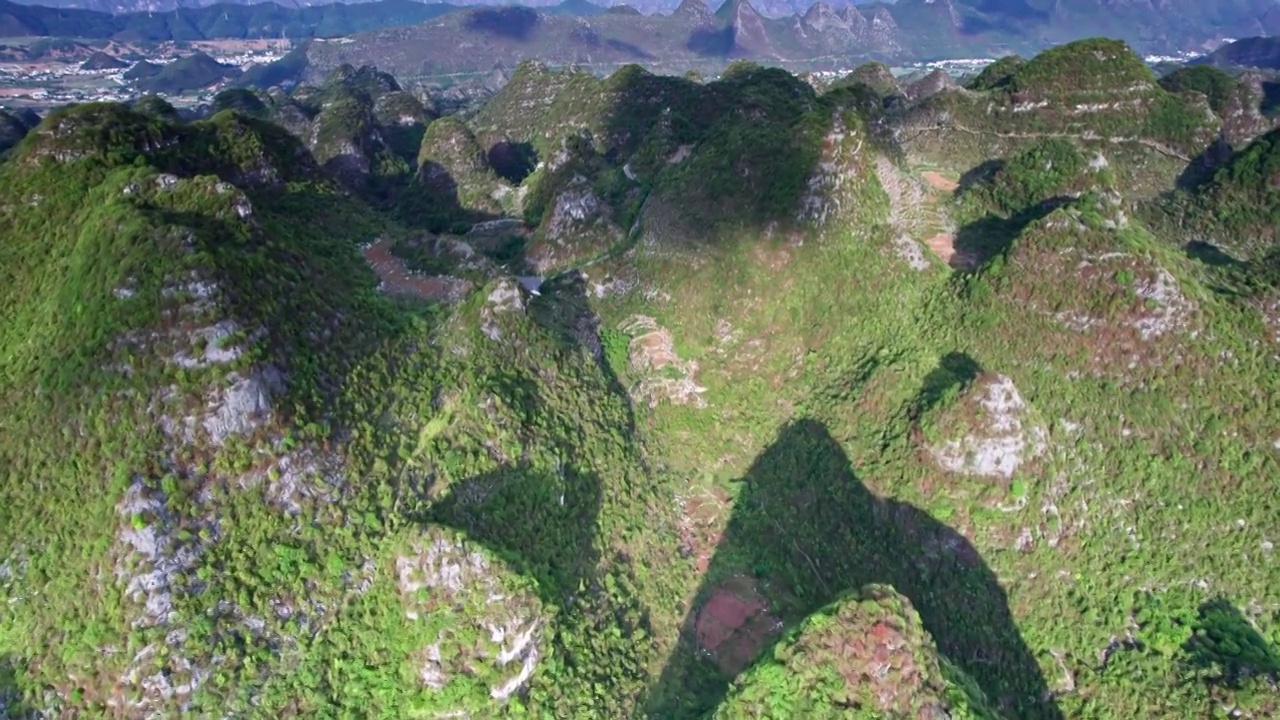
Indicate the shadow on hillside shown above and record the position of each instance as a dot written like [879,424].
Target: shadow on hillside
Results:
[809,531]
[955,370]
[1270,98]
[590,38]
[545,522]
[11,703]
[515,23]
[564,309]
[513,161]
[431,202]
[990,236]
[712,42]
[978,174]
[1202,167]
[1226,642]
[1210,254]
[1002,16]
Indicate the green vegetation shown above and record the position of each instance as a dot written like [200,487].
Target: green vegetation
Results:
[834,665]
[1095,93]
[1214,84]
[793,426]
[1082,68]
[998,74]
[1230,219]
[193,72]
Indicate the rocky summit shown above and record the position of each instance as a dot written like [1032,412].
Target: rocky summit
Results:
[643,396]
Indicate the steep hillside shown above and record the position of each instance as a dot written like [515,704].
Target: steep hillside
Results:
[208,335]
[359,123]
[647,397]
[1238,208]
[13,128]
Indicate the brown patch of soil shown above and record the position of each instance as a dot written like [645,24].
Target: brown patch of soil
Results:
[734,625]
[943,245]
[397,279]
[701,527]
[938,181]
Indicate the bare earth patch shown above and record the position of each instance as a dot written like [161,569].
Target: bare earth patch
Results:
[734,624]
[399,280]
[938,181]
[944,246]
[701,523]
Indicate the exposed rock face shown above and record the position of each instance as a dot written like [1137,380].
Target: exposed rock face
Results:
[840,180]
[664,375]
[997,434]
[578,226]
[929,85]
[506,297]
[444,577]
[823,28]
[750,36]
[696,13]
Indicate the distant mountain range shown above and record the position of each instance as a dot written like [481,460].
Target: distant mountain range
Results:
[1256,52]
[692,35]
[413,39]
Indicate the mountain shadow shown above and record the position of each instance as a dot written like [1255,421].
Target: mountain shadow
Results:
[955,370]
[712,42]
[515,23]
[1210,254]
[983,239]
[1202,167]
[805,530]
[431,202]
[513,161]
[1229,648]
[562,306]
[11,703]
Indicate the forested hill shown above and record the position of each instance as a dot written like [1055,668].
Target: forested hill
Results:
[647,397]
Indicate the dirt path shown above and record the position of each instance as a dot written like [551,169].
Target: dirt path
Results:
[399,280]
[1157,146]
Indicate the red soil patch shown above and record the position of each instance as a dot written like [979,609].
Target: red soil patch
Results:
[938,181]
[943,245]
[397,279]
[702,527]
[734,625]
